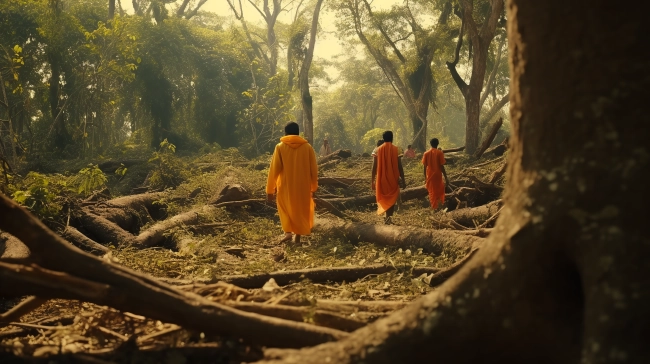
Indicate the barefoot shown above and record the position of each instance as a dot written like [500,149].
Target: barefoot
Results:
[286,237]
[297,239]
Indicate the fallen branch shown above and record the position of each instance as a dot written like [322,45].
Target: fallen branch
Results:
[499,150]
[356,201]
[341,153]
[494,177]
[432,241]
[469,216]
[84,243]
[452,150]
[105,283]
[101,229]
[156,233]
[28,305]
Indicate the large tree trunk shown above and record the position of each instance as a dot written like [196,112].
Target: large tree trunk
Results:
[563,278]
[305,96]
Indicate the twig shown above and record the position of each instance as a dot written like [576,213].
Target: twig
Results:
[113,333]
[159,333]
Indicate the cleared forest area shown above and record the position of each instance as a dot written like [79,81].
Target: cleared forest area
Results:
[211,242]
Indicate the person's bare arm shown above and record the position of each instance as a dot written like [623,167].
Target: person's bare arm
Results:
[444,173]
[401,172]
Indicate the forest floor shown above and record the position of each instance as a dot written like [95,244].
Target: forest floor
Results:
[244,240]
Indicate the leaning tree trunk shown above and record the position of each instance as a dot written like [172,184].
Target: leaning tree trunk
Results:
[305,96]
[563,278]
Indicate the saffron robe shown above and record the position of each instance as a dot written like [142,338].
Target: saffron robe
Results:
[387,184]
[294,174]
[433,160]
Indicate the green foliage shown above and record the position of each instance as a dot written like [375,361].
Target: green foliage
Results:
[169,170]
[369,140]
[89,179]
[38,195]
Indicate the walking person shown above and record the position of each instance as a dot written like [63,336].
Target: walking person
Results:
[292,180]
[434,169]
[387,177]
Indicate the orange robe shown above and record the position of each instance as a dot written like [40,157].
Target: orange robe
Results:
[294,174]
[434,159]
[387,185]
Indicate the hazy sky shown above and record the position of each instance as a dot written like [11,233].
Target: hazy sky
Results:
[327,44]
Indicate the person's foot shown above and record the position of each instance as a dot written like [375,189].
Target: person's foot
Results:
[286,237]
[388,220]
[297,239]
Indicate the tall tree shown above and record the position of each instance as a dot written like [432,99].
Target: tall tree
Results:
[305,95]
[411,77]
[481,36]
[564,277]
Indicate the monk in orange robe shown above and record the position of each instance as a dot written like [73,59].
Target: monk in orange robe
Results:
[434,169]
[293,177]
[387,177]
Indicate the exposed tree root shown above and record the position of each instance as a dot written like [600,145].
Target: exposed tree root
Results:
[105,283]
[84,243]
[475,216]
[319,275]
[100,229]
[300,314]
[440,277]
[432,241]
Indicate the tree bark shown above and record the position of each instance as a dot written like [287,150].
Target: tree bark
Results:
[489,138]
[468,216]
[305,96]
[111,9]
[566,266]
[84,243]
[59,270]
[480,42]
[431,241]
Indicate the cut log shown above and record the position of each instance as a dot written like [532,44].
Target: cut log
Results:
[300,314]
[149,201]
[84,243]
[156,233]
[489,138]
[100,229]
[105,283]
[452,150]
[339,154]
[431,241]
[468,216]
[328,165]
[128,219]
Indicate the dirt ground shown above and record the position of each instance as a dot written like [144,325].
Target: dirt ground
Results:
[243,241]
